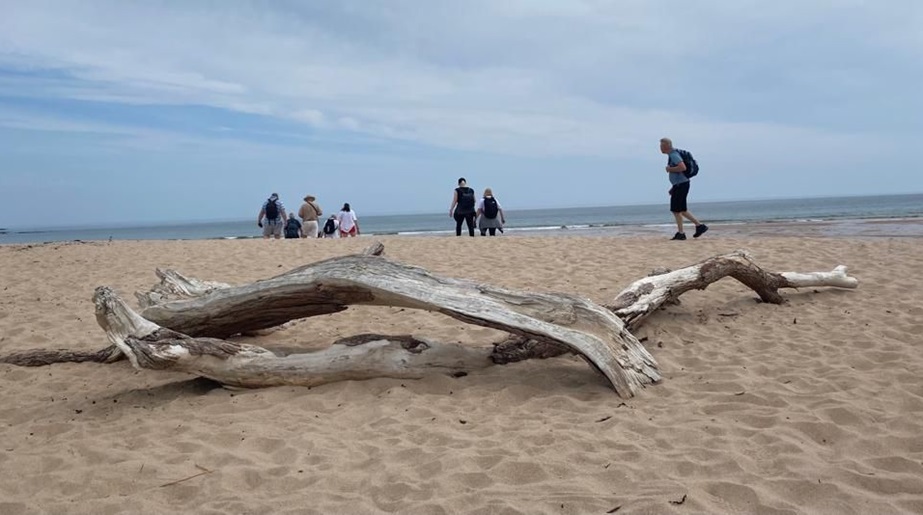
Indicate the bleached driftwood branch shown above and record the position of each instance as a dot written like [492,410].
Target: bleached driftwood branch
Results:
[149,346]
[644,296]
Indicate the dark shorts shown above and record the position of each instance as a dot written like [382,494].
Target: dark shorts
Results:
[678,194]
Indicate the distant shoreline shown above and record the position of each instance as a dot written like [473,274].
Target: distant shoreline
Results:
[890,215]
[901,227]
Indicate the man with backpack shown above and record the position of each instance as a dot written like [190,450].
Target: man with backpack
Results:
[271,217]
[293,227]
[681,166]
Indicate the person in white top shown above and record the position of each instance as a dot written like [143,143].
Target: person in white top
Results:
[349,222]
[490,214]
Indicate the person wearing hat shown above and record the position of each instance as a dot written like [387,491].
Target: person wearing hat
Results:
[310,212]
[271,217]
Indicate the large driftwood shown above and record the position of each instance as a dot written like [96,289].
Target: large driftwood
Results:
[149,346]
[541,325]
[571,322]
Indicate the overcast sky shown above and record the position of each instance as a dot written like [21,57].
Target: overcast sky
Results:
[120,112]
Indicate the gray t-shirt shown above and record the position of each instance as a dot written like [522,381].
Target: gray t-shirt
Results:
[674,159]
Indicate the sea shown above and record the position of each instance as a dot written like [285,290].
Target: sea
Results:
[862,216]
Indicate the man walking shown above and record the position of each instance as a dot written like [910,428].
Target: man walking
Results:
[310,212]
[676,169]
[272,217]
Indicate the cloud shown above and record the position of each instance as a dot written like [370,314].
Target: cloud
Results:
[790,86]
[508,76]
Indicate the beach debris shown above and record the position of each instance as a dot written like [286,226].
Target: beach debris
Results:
[681,501]
[183,321]
[178,481]
[613,510]
[645,296]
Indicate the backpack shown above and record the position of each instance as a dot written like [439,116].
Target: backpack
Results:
[466,199]
[272,210]
[330,227]
[692,168]
[491,208]
[291,228]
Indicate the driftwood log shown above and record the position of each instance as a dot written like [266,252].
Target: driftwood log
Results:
[572,323]
[183,320]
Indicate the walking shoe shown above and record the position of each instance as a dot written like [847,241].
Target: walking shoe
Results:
[679,236]
[700,230]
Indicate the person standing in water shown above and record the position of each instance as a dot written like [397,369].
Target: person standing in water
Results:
[463,207]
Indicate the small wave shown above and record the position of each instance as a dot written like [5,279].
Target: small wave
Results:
[422,233]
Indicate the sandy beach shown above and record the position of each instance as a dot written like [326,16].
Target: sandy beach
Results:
[814,406]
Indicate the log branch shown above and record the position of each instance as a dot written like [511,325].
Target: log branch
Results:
[644,296]
[43,357]
[333,285]
[357,357]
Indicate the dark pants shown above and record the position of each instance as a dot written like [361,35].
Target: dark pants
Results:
[468,218]
[492,230]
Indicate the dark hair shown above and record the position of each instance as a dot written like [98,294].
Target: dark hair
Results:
[461,180]
[346,207]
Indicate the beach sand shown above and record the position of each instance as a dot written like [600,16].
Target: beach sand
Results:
[814,406]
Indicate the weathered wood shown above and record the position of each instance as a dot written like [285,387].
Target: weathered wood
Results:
[43,357]
[663,286]
[332,285]
[241,365]
[540,325]
[644,296]
[175,286]
[375,249]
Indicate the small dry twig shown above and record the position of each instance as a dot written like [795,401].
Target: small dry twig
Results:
[203,469]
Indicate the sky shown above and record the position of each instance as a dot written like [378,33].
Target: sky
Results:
[116,112]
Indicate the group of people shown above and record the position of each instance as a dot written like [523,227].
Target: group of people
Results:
[485,213]
[272,219]
[465,209]
[681,167]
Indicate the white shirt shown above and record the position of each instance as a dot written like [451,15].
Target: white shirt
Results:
[347,220]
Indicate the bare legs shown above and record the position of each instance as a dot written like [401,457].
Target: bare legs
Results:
[679,219]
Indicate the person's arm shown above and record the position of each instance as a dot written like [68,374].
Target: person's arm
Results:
[356,223]
[317,209]
[677,168]
[259,217]
[301,211]
[502,216]
[454,202]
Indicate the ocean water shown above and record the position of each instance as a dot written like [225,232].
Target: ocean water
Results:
[885,215]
